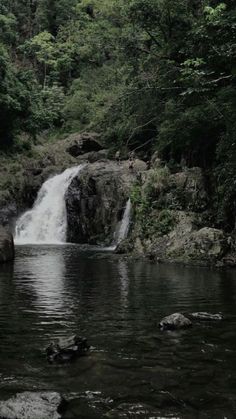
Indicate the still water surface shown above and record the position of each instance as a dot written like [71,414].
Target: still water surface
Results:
[53,292]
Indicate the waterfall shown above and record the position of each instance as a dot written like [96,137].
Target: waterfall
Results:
[46,222]
[125,223]
[123,227]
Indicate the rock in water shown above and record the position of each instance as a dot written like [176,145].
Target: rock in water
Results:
[175,321]
[6,246]
[135,411]
[67,350]
[29,405]
[203,316]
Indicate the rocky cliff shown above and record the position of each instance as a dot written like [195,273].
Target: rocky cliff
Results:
[96,200]
[173,219]
[6,246]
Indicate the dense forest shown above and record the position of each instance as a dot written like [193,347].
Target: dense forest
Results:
[147,74]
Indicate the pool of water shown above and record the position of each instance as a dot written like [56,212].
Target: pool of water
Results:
[57,291]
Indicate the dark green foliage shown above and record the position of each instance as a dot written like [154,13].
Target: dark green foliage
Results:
[147,74]
[151,222]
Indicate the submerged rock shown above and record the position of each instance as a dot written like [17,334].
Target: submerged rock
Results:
[137,410]
[6,246]
[205,316]
[29,405]
[67,350]
[175,321]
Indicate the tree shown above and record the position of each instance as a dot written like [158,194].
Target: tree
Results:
[12,99]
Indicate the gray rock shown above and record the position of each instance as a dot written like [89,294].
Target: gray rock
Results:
[29,405]
[93,156]
[207,245]
[83,143]
[8,212]
[6,246]
[205,316]
[175,321]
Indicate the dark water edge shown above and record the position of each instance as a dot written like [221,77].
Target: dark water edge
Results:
[56,291]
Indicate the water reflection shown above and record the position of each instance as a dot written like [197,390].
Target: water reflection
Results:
[43,276]
[117,304]
[124,282]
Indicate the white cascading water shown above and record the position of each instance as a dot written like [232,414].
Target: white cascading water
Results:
[123,228]
[125,223]
[46,223]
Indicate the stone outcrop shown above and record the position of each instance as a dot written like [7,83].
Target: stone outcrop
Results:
[83,143]
[96,200]
[179,223]
[6,246]
[29,405]
[207,244]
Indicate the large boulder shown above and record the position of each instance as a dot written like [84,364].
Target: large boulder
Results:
[29,405]
[6,246]
[83,143]
[207,245]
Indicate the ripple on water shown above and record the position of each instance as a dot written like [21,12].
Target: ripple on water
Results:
[56,291]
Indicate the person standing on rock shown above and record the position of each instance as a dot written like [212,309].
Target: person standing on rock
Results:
[117,156]
[131,160]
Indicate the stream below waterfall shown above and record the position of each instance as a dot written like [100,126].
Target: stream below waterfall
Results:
[57,291]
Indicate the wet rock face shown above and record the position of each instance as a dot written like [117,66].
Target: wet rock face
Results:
[29,405]
[96,201]
[6,246]
[7,214]
[174,322]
